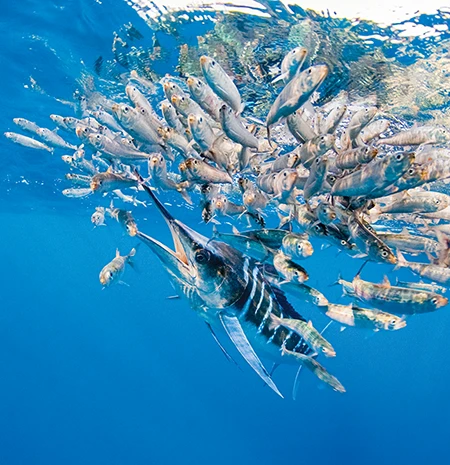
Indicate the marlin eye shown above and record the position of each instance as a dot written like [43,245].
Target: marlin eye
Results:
[384,253]
[202,256]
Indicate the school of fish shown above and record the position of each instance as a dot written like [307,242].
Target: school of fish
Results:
[341,173]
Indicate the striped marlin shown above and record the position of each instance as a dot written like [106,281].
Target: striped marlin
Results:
[229,290]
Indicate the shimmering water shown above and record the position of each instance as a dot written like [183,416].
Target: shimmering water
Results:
[126,376]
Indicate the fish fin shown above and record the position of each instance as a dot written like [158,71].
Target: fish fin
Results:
[236,333]
[185,196]
[268,136]
[274,321]
[274,367]
[235,230]
[326,327]
[296,383]
[361,268]
[343,328]
[172,297]
[288,309]
[117,253]
[222,348]
[123,283]
[279,78]
[257,121]
[386,282]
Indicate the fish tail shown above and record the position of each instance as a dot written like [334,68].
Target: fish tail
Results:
[374,213]
[268,136]
[337,282]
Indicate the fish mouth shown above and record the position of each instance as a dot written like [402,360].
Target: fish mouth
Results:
[203,60]
[186,240]
[79,131]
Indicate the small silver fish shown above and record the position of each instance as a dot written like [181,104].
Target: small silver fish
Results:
[114,270]
[27,141]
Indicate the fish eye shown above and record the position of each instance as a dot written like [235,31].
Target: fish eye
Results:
[202,256]
[384,253]
[125,109]
[411,171]
[393,322]
[299,246]
[195,162]
[399,157]
[309,71]
[213,63]
[343,242]
[437,201]
[285,174]
[200,120]
[434,300]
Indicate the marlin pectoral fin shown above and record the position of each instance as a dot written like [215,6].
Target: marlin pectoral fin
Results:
[236,333]
[222,348]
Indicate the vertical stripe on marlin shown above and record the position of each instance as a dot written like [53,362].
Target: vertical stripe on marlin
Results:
[243,303]
[257,303]
[263,286]
[245,270]
[267,315]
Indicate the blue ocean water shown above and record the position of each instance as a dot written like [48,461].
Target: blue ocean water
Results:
[126,376]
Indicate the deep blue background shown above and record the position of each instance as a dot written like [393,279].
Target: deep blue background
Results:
[125,376]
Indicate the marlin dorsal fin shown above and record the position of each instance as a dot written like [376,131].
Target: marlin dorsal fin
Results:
[236,333]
